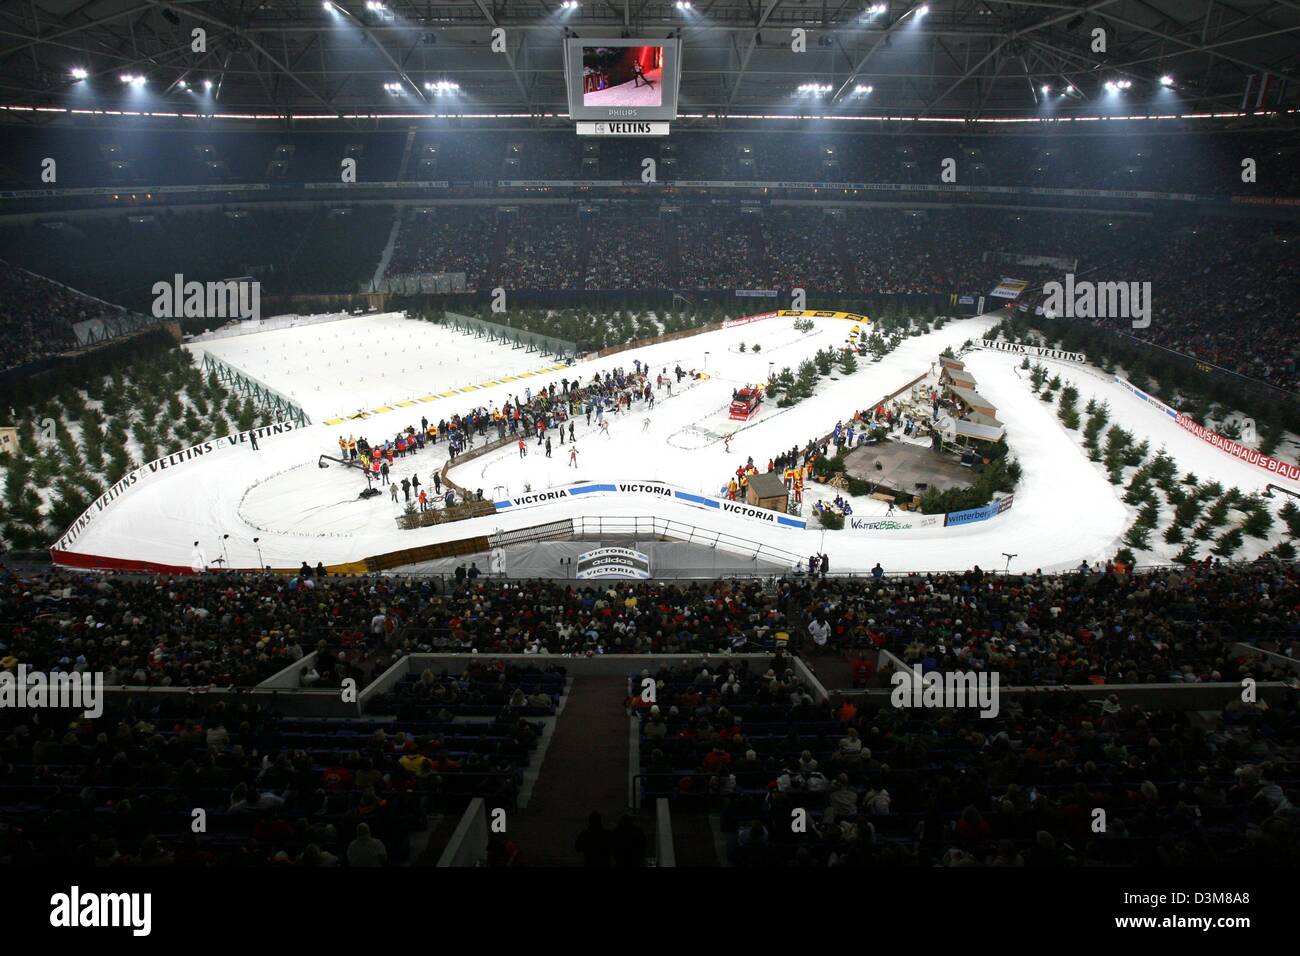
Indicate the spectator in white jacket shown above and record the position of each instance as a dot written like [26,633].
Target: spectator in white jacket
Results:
[820,632]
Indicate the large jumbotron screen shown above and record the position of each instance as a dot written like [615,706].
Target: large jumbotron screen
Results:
[624,79]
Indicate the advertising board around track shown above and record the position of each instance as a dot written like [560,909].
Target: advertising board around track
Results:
[906,522]
[1000,346]
[1237,450]
[652,489]
[823,314]
[166,463]
[1149,399]
[903,521]
[955,519]
[746,319]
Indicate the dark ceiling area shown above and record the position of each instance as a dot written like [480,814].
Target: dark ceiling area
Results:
[952,60]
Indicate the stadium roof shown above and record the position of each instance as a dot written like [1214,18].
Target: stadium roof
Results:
[960,60]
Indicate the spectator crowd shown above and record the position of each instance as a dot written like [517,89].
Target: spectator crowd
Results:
[37,315]
[1097,625]
[891,787]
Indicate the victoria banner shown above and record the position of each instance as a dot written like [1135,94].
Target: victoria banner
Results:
[649,489]
[613,563]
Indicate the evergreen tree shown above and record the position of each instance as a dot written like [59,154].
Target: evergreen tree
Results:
[1258,523]
[1229,543]
[1138,537]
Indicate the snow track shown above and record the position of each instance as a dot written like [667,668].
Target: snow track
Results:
[1065,510]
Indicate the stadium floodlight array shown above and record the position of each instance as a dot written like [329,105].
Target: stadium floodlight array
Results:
[863,88]
[1113,85]
[570,5]
[79,73]
[1166,80]
[814,87]
[133,79]
[442,86]
[393,88]
[683,4]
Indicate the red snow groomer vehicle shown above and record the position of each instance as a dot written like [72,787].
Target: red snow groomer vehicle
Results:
[745,402]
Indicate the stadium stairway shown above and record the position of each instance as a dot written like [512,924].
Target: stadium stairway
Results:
[585,769]
[406,158]
[698,840]
[848,267]
[673,249]
[585,239]
[387,255]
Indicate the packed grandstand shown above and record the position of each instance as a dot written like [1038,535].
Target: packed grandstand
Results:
[767,510]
